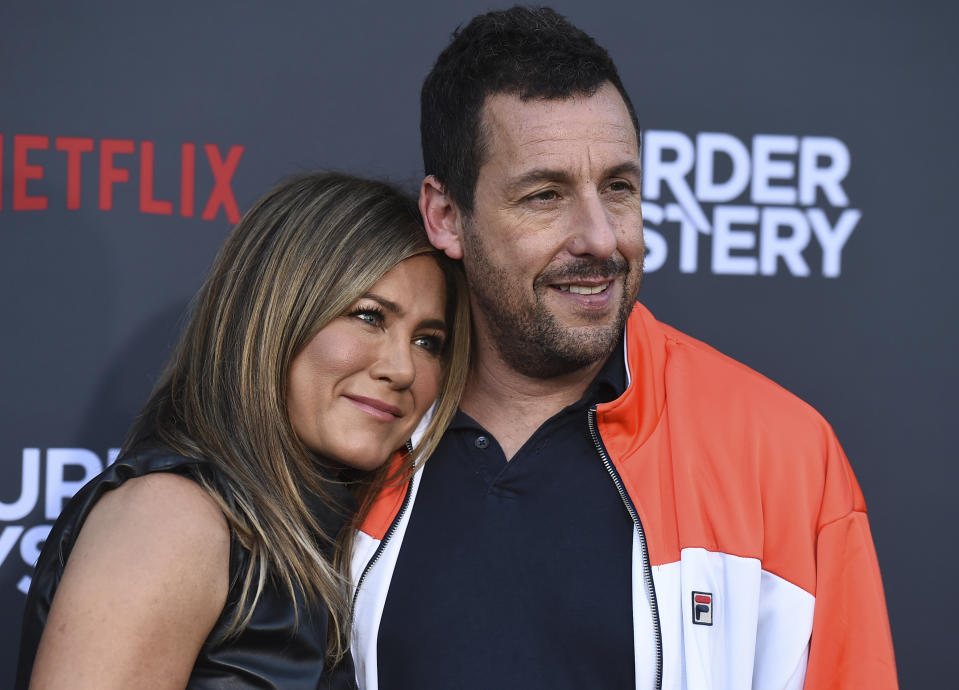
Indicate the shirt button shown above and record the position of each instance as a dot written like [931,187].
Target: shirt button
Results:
[481,442]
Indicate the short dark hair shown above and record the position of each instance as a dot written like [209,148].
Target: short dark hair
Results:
[530,52]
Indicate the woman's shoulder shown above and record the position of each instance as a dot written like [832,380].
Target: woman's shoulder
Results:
[155,488]
[166,505]
[160,518]
[159,532]
[163,545]
[150,459]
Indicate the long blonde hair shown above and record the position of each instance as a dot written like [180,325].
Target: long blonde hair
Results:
[298,259]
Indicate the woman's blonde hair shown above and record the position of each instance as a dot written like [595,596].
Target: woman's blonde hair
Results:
[298,259]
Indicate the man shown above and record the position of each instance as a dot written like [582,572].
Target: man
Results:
[616,505]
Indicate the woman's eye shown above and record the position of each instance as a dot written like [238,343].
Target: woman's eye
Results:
[431,343]
[370,316]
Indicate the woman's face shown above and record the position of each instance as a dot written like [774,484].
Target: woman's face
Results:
[360,386]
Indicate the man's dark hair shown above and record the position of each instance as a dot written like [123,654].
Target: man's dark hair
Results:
[530,52]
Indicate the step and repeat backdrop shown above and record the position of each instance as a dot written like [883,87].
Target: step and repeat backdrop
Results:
[800,164]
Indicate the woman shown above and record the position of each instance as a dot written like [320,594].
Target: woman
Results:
[204,556]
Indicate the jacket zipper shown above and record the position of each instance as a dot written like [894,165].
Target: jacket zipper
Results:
[384,540]
[631,509]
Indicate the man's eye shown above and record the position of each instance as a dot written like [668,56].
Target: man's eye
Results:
[431,343]
[620,186]
[545,195]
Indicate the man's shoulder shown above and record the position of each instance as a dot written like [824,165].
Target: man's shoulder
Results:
[695,373]
[762,444]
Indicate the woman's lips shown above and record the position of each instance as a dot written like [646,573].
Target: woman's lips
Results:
[375,407]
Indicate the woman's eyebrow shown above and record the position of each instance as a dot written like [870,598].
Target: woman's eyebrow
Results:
[394,308]
[435,324]
[389,305]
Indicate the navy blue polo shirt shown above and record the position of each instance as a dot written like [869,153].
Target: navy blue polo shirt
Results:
[514,574]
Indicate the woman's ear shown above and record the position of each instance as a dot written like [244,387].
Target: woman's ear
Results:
[441,218]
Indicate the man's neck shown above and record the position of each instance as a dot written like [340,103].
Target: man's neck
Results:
[512,406]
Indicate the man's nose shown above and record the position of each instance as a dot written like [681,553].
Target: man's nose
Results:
[592,233]
[394,362]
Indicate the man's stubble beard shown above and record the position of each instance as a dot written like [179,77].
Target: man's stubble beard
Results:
[526,334]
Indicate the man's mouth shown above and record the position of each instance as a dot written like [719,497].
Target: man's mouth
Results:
[584,289]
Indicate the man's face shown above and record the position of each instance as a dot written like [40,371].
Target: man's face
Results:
[553,250]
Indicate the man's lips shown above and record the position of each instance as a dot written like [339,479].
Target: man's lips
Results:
[584,277]
[376,408]
[584,288]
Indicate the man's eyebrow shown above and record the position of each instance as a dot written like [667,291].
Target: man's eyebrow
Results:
[394,308]
[627,168]
[540,175]
[537,176]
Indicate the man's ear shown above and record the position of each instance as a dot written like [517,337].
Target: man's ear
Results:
[441,218]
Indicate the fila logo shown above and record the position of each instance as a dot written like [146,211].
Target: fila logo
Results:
[702,608]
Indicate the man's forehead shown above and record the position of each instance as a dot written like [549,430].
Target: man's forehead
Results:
[514,128]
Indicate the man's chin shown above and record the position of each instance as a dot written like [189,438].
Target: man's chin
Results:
[586,324]
[592,343]
[568,350]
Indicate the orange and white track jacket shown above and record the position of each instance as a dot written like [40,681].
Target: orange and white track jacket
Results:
[753,563]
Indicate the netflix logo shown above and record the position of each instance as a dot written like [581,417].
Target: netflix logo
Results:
[32,158]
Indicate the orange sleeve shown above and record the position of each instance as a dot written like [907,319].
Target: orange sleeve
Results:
[851,645]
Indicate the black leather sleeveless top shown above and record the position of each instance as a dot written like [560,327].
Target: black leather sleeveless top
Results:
[272,652]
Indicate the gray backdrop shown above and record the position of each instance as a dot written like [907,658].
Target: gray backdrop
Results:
[800,159]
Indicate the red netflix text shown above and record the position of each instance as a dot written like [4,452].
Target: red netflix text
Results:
[116,160]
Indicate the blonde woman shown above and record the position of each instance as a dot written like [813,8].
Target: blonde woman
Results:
[204,557]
